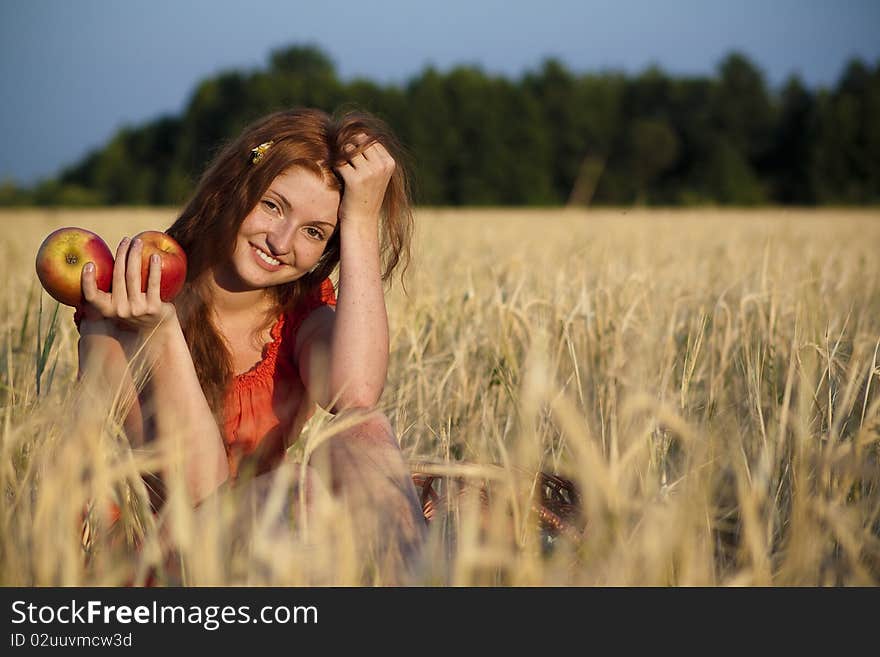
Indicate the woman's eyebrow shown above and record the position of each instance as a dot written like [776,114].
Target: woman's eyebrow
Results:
[332,226]
[284,201]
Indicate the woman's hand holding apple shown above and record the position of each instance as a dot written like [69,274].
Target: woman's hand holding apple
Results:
[126,305]
[64,252]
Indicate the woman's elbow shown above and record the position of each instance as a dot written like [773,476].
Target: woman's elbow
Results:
[365,398]
[206,478]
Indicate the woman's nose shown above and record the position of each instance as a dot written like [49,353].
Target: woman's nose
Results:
[280,238]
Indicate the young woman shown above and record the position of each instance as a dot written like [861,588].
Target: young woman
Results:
[258,336]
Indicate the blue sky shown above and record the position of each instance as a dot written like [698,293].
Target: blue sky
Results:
[74,71]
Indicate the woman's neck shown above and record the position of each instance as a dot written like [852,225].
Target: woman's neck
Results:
[229,302]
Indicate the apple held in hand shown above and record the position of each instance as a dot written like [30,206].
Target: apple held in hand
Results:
[61,258]
[172,258]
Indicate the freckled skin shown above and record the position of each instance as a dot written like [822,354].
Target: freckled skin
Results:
[287,234]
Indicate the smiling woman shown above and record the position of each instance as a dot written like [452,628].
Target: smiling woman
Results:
[285,240]
[258,336]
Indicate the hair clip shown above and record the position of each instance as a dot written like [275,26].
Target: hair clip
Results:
[257,153]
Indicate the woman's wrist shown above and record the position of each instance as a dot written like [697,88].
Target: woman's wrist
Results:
[359,243]
[361,224]
[97,326]
[156,340]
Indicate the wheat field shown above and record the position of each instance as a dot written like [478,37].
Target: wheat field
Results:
[707,378]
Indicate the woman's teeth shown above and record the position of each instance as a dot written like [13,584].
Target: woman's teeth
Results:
[267,258]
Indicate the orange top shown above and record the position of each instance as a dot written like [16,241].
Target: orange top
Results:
[266,407]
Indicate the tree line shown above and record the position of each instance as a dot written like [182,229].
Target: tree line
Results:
[549,137]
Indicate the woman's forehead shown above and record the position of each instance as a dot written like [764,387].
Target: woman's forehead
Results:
[317,174]
[298,175]
[302,187]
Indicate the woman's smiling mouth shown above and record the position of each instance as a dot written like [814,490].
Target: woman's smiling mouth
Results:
[265,260]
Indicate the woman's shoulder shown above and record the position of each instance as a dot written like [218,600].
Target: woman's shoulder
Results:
[321,295]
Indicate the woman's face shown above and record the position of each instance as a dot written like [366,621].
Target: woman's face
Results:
[283,237]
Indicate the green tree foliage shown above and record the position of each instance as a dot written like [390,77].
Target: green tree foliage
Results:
[844,164]
[550,137]
[653,148]
[741,107]
[791,157]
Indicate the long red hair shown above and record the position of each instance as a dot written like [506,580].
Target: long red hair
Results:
[232,186]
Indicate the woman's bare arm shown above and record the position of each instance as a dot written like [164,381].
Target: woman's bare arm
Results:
[186,430]
[351,345]
[104,371]
[172,401]
[343,355]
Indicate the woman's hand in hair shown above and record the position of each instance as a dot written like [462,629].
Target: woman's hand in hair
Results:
[366,175]
[126,305]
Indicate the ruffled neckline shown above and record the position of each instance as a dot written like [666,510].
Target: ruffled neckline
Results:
[263,369]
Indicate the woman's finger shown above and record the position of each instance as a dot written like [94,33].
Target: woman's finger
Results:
[356,147]
[375,151]
[358,161]
[345,170]
[359,140]
[133,270]
[119,270]
[154,279]
[384,156]
[349,151]
[91,293]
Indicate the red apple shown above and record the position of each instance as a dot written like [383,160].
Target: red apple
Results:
[173,260]
[61,258]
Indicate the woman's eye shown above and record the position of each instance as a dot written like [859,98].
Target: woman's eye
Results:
[270,205]
[314,233]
